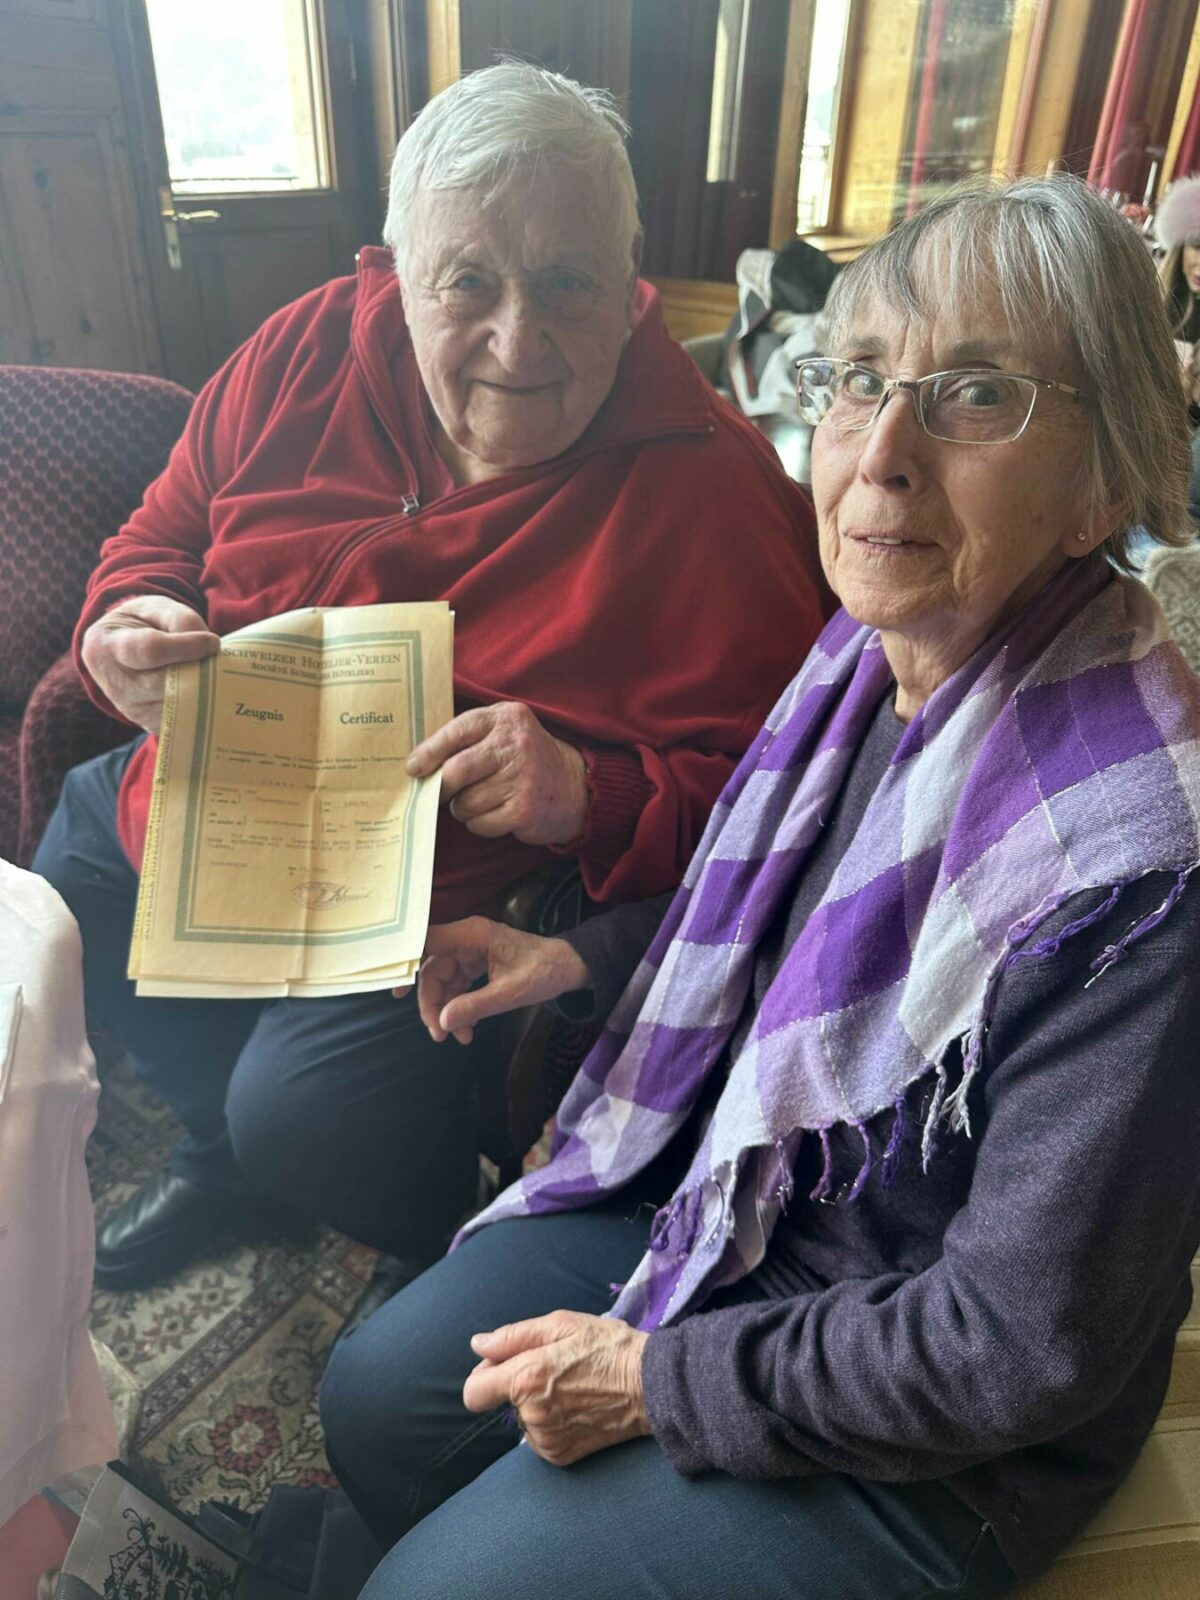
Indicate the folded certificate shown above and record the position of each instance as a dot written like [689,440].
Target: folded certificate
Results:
[288,851]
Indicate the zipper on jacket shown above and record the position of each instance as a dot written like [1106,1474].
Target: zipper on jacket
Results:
[410,503]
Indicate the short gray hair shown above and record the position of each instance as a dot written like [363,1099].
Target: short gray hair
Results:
[1064,261]
[503,120]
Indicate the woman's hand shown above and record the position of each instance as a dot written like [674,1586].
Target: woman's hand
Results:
[130,648]
[574,1381]
[503,773]
[522,969]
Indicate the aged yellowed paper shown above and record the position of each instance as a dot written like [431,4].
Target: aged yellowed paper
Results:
[288,852]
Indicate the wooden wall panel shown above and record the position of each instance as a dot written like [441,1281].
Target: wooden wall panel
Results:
[56,67]
[692,307]
[383,33]
[73,293]
[74,287]
[586,39]
[242,279]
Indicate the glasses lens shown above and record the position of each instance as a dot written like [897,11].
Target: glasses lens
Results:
[846,394]
[977,407]
[815,386]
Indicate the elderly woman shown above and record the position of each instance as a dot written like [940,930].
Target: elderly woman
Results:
[491,413]
[888,1151]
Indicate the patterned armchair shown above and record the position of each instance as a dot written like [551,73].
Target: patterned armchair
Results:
[77,450]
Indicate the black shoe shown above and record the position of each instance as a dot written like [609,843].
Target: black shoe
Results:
[391,1274]
[159,1229]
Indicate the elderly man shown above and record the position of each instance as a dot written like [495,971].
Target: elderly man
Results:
[493,414]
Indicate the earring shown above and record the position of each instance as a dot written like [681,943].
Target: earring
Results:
[1082,537]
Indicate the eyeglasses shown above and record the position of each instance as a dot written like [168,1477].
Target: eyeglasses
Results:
[970,405]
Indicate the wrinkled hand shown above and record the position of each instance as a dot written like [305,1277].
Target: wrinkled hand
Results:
[503,773]
[522,969]
[574,1381]
[130,648]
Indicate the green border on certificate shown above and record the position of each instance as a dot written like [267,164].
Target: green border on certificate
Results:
[188,929]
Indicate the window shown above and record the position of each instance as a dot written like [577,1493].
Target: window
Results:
[826,70]
[239,86]
[729,66]
[905,97]
[953,111]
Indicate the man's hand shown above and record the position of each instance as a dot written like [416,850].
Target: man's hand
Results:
[130,648]
[522,969]
[574,1381]
[503,773]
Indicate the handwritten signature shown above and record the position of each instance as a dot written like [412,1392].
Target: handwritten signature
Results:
[318,896]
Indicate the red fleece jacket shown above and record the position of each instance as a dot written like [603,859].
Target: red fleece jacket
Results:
[647,593]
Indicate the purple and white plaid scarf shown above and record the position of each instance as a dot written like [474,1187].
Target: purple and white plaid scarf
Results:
[1063,756]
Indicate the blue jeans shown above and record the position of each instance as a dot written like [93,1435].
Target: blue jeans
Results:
[463,1512]
[343,1109]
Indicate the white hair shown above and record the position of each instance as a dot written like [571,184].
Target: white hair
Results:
[509,119]
[1065,267]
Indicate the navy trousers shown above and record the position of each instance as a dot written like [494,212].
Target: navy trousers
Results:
[463,1511]
[343,1108]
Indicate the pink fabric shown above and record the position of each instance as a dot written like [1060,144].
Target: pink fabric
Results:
[54,1413]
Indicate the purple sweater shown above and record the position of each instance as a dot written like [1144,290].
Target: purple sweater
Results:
[1004,1323]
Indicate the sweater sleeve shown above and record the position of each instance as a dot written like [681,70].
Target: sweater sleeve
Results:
[161,550]
[629,788]
[611,945]
[1068,1258]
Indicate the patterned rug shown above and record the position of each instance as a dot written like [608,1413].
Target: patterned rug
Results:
[228,1354]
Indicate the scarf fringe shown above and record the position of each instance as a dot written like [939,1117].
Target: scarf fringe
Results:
[1116,952]
[824,1186]
[1023,946]
[785,1184]
[677,1226]
[929,1133]
[891,1156]
[864,1171]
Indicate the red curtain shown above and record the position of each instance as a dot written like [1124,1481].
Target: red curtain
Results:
[1187,160]
[1120,155]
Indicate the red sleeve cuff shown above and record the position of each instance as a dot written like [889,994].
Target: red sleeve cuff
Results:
[619,790]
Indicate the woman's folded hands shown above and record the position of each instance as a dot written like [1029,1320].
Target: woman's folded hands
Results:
[573,1380]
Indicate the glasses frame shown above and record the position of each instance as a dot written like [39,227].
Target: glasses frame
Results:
[917,387]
